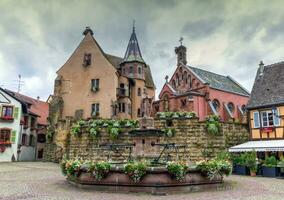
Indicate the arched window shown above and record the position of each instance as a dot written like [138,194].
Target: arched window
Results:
[177,79]
[243,108]
[166,103]
[139,92]
[231,107]
[216,104]
[180,69]
[189,80]
[185,77]
[174,83]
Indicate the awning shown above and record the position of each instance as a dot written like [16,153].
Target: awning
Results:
[262,146]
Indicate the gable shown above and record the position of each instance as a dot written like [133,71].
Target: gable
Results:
[3,98]
[99,60]
[166,89]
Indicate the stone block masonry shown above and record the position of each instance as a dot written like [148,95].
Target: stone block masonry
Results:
[192,133]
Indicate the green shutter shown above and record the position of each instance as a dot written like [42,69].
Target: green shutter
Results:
[13,136]
[16,112]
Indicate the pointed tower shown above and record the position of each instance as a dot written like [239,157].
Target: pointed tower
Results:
[133,65]
[181,53]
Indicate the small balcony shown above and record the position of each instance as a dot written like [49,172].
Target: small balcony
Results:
[122,92]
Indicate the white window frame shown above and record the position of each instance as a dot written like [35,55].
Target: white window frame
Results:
[96,110]
[266,113]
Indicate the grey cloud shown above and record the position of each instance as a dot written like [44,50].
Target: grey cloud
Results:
[201,28]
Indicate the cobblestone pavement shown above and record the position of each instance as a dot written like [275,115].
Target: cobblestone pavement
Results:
[39,180]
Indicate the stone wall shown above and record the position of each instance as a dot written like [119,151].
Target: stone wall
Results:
[198,143]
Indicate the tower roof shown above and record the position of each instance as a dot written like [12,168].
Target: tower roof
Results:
[133,52]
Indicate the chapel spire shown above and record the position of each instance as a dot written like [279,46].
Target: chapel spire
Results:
[133,52]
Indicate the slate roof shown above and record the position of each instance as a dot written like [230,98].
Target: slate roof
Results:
[115,61]
[133,52]
[268,89]
[220,82]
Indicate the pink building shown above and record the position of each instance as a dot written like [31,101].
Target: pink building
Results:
[201,91]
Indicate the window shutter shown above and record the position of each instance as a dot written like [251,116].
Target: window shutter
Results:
[16,112]
[256,119]
[276,120]
[13,137]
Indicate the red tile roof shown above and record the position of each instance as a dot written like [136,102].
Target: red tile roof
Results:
[37,107]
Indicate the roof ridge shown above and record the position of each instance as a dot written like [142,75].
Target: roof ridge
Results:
[274,64]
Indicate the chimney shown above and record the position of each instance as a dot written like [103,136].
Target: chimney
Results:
[261,69]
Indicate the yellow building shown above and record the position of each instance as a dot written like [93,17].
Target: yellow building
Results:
[266,112]
[93,83]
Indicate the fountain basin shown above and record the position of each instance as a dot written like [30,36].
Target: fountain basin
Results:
[156,181]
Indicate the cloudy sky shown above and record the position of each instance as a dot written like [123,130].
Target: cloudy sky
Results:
[229,37]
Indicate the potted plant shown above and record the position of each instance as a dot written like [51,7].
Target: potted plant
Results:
[251,162]
[239,162]
[281,167]
[269,168]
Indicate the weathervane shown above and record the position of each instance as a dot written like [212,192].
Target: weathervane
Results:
[180,40]
[134,25]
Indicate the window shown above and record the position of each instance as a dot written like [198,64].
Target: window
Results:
[87,59]
[95,109]
[5,135]
[183,103]
[121,107]
[189,80]
[31,140]
[24,139]
[270,118]
[130,70]
[216,104]
[138,112]
[7,112]
[231,107]
[33,122]
[174,83]
[139,92]
[139,70]
[267,118]
[95,85]
[243,108]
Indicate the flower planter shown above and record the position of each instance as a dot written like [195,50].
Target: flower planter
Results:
[270,171]
[241,170]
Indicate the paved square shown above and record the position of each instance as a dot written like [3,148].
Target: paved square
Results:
[40,180]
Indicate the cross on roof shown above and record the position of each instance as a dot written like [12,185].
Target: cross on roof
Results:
[180,40]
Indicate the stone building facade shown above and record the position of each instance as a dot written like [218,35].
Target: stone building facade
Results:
[201,91]
[93,83]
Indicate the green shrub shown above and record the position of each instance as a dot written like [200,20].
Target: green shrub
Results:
[213,125]
[177,170]
[76,128]
[270,161]
[251,161]
[100,169]
[135,170]
[169,132]
[215,167]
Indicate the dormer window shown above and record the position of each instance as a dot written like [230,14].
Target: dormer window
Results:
[139,70]
[87,59]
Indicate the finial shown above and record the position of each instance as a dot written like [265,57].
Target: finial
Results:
[87,30]
[180,40]
[134,25]
[167,77]
[261,63]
